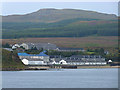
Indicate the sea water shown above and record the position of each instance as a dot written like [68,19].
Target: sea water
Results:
[63,78]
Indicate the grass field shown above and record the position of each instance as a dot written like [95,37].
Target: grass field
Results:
[81,42]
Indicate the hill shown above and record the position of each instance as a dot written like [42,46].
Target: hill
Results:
[59,23]
[55,15]
[10,61]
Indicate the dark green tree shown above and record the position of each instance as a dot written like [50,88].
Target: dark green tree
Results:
[6,45]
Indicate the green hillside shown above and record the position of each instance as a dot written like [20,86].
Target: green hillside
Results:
[10,61]
[59,23]
[70,28]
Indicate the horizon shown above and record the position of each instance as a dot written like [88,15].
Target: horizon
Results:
[58,9]
[22,8]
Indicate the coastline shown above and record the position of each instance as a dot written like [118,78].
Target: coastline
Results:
[79,67]
[98,67]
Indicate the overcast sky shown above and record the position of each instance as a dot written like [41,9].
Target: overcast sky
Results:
[9,8]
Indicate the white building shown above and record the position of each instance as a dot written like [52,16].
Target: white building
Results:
[61,62]
[46,46]
[25,61]
[110,61]
[79,60]
[24,45]
[34,59]
[15,46]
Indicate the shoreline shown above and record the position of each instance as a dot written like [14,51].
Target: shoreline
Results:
[41,69]
[88,67]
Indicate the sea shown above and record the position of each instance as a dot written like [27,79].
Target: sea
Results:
[61,78]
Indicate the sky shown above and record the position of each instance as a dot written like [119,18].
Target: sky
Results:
[10,8]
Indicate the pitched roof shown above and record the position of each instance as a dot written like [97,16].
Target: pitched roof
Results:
[87,56]
[71,48]
[41,45]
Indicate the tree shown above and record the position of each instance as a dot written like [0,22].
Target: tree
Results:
[22,47]
[6,45]
[34,48]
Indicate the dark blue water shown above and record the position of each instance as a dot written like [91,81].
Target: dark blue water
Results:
[65,78]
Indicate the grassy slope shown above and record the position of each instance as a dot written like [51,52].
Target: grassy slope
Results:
[11,61]
[66,28]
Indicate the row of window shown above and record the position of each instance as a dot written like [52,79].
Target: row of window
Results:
[97,63]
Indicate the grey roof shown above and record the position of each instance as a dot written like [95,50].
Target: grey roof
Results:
[71,48]
[86,56]
[56,56]
[35,59]
[78,58]
[42,45]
